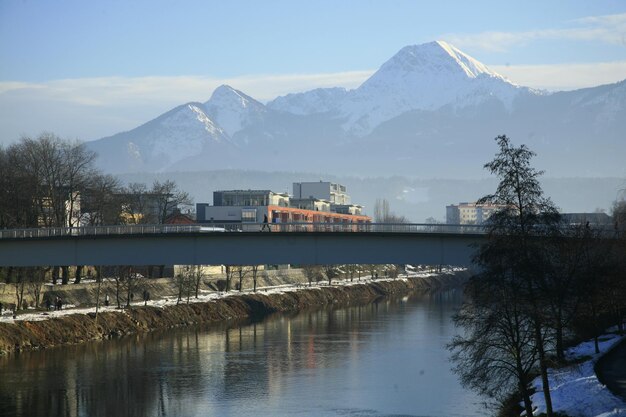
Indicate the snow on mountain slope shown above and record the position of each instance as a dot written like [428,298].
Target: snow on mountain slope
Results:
[180,133]
[418,77]
[611,100]
[319,100]
[233,110]
[427,100]
[184,133]
[424,77]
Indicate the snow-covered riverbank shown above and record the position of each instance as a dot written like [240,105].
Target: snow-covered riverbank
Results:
[45,329]
[207,295]
[576,390]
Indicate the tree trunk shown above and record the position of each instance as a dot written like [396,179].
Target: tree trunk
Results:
[19,290]
[523,386]
[180,290]
[55,275]
[79,271]
[594,317]
[528,405]
[37,293]
[543,368]
[97,302]
[560,349]
[36,283]
[65,275]
[117,292]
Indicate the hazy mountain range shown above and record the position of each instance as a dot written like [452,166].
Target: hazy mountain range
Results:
[429,111]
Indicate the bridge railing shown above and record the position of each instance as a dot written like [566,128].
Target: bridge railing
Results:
[373,227]
[238,227]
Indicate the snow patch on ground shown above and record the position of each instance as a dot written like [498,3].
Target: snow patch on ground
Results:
[576,389]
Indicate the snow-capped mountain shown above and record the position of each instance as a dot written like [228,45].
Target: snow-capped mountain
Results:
[418,77]
[233,110]
[182,132]
[424,77]
[427,102]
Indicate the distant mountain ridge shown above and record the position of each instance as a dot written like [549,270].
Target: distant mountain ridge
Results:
[430,110]
[418,77]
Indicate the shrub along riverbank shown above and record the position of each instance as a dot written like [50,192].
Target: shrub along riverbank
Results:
[79,328]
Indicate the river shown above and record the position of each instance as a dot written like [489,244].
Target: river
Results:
[383,359]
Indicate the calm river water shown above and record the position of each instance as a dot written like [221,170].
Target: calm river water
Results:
[382,359]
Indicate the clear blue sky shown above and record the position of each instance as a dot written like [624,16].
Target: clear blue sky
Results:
[61,56]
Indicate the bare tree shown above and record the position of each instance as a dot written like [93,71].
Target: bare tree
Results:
[383,214]
[197,279]
[102,201]
[17,276]
[61,169]
[255,273]
[618,212]
[563,283]
[351,270]
[526,214]
[373,270]
[133,284]
[242,272]
[35,284]
[168,197]
[313,273]
[497,353]
[331,272]
[127,283]
[135,208]
[17,191]
[185,281]
[229,271]
[596,289]
[42,181]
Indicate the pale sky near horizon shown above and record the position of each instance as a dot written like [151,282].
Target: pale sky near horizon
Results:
[91,69]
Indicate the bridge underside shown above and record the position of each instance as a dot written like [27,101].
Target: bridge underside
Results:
[243,249]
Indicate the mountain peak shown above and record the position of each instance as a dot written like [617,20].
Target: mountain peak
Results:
[226,93]
[232,109]
[438,57]
[424,77]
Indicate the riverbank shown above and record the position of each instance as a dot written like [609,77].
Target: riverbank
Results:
[48,329]
[576,390]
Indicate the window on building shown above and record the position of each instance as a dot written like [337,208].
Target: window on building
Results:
[248,215]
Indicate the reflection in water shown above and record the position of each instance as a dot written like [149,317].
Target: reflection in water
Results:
[385,358]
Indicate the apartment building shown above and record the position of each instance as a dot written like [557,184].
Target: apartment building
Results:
[470,213]
[311,203]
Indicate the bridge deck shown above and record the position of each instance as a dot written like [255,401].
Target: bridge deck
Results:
[239,248]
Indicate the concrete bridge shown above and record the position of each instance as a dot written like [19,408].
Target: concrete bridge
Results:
[292,243]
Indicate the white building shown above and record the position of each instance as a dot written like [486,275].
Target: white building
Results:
[322,190]
[470,213]
[306,206]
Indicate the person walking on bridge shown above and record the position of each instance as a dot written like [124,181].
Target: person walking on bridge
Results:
[266,224]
